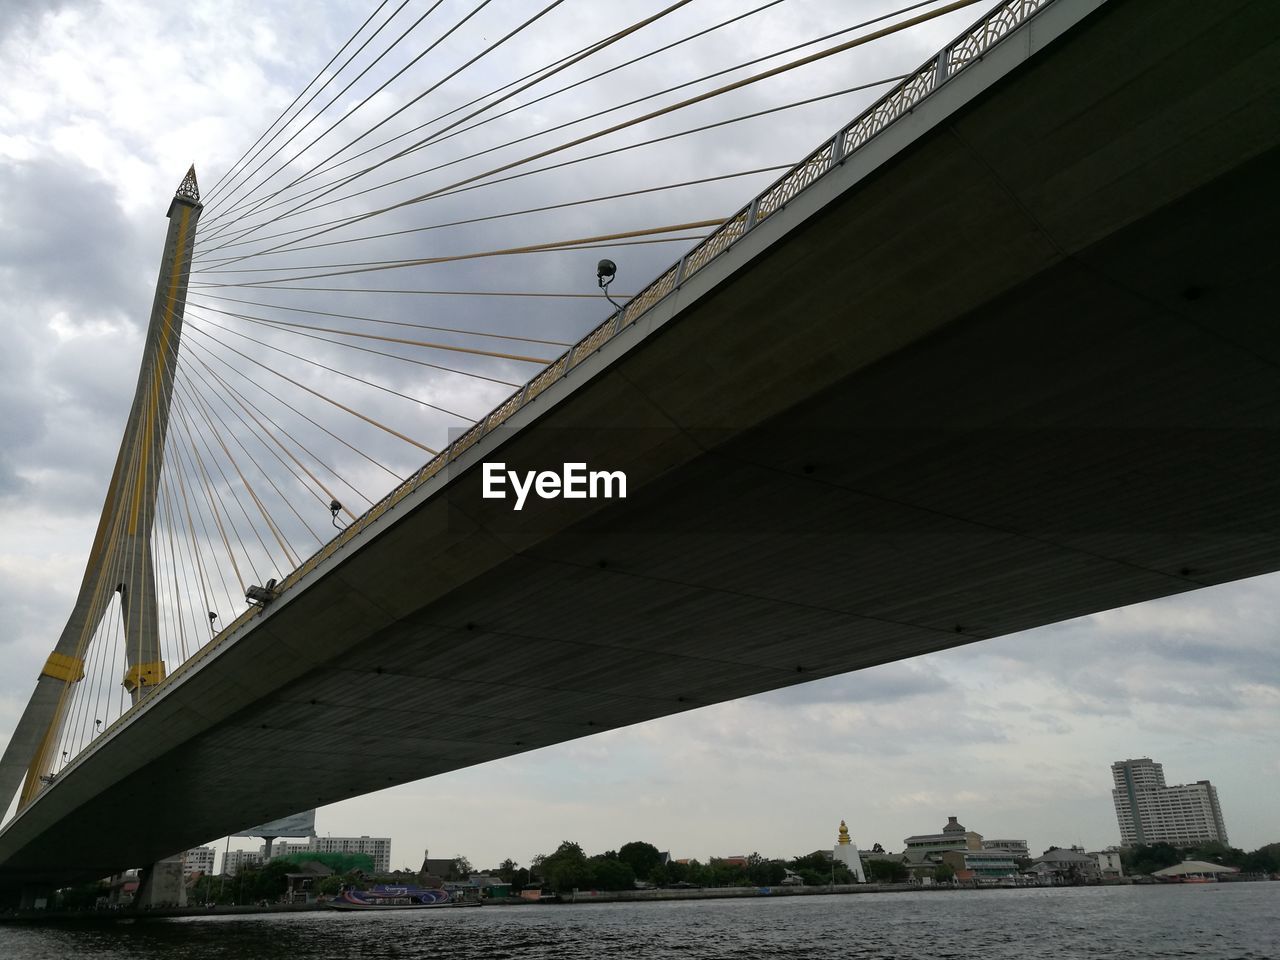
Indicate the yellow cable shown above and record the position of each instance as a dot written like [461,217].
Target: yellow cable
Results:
[654,114]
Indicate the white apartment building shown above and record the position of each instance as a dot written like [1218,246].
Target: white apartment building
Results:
[281,848]
[379,848]
[235,860]
[1149,811]
[198,860]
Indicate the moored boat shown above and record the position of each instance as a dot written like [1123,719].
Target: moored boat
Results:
[397,897]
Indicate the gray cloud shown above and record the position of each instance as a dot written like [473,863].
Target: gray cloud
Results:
[26,16]
[63,242]
[892,683]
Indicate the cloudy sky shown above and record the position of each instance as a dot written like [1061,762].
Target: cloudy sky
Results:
[106,105]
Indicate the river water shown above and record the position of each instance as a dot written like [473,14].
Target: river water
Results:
[1238,921]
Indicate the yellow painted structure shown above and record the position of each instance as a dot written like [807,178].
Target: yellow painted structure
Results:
[62,667]
[143,675]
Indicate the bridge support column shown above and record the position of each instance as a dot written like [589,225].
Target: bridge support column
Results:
[38,896]
[162,885]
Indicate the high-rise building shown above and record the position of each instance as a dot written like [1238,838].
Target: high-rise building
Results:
[282,848]
[379,848]
[1149,811]
[237,860]
[198,860]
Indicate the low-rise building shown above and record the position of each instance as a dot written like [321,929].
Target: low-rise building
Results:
[877,852]
[953,837]
[1194,870]
[924,850]
[981,864]
[1109,864]
[1018,849]
[441,867]
[1061,866]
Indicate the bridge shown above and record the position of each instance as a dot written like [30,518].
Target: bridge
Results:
[997,354]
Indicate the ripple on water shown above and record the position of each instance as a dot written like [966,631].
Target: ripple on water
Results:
[1220,922]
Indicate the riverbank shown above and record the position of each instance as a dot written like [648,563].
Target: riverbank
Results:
[128,915]
[738,893]
[576,897]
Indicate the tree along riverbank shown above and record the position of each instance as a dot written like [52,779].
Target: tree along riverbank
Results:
[728,893]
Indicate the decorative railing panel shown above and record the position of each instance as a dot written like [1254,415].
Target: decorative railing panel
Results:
[716,244]
[503,413]
[463,443]
[593,341]
[901,100]
[650,295]
[990,30]
[547,377]
[434,466]
[806,173]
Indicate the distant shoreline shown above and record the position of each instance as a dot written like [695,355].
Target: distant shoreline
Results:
[733,893]
[580,897]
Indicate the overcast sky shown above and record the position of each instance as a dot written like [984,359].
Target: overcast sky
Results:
[104,107]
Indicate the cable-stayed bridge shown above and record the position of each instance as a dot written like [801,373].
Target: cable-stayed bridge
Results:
[995,354]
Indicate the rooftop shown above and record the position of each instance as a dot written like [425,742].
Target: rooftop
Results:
[1187,867]
[1058,855]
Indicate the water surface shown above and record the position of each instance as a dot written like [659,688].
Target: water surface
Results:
[1239,921]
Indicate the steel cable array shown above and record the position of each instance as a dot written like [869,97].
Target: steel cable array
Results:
[297,405]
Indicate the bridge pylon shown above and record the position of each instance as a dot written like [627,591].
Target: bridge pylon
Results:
[120,560]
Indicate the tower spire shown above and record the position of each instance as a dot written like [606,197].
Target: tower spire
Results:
[189,189]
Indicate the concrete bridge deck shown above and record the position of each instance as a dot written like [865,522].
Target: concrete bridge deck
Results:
[1014,362]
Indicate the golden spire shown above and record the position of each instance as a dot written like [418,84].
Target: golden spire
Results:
[843,838]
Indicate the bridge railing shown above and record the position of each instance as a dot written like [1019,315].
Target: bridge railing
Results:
[966,49]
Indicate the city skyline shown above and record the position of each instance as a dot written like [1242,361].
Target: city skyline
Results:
[1013,735]
[1095,827]
[1150,776]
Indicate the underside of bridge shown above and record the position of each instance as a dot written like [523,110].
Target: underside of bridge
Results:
[1019,365]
